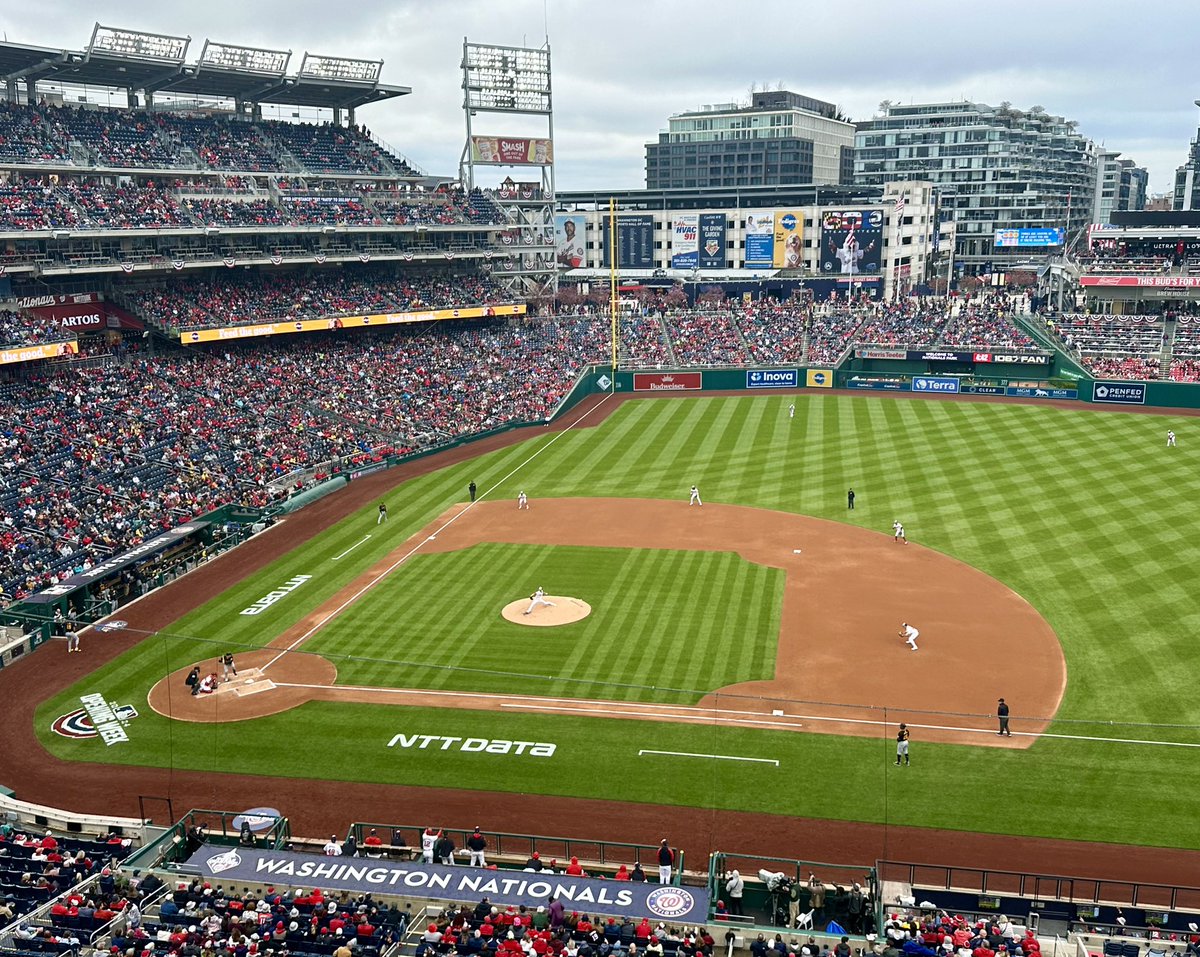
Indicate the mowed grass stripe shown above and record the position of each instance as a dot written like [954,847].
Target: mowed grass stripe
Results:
[1086,515]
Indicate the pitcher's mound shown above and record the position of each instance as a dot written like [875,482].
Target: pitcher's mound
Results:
[565,611]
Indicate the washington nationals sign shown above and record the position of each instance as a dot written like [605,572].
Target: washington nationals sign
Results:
[360,875]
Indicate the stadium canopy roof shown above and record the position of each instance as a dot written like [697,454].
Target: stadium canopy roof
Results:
[154,63]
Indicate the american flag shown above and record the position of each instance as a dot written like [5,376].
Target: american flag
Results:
[899,204]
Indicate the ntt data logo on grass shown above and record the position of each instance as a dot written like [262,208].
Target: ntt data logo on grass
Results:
[278,594]
[442,742]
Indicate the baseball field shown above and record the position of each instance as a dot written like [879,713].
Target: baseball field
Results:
[741,655]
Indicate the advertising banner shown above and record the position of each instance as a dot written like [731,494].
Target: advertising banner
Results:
[934,384]
[982,390]
[48,350]
[712,241]
[444,882]
[760,239]
[511,151]
[635,242]
[1119,393]
[667,381]
[1035,392]
[1179,282]
[1028,237]
[789,239]
[93,316]
[877,385]
[916,355]
[685,241]
[773,379]
[570,250]
[346,322]
[74,299]
[851,241]
[819,378]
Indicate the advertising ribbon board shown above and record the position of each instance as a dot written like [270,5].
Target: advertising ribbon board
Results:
[442,882]
[667,381]
[772,378]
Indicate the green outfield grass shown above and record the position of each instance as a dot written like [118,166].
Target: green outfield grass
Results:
[1086,515]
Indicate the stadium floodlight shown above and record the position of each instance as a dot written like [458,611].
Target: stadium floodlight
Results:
[227,56]
[340,68]
[515,79]
[132,43]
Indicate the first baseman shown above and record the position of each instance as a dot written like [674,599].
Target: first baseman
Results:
[695,499]
[522,499]
[909,634]
[538,598]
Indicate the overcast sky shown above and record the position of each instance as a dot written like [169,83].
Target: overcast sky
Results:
[1125,72]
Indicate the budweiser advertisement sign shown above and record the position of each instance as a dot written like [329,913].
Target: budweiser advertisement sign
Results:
[667,381]
[1172,282]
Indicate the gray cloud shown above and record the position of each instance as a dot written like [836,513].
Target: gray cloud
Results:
[622,66]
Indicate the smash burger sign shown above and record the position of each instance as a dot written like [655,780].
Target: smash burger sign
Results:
[359,875]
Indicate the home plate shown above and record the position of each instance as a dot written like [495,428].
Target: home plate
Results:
[265,685]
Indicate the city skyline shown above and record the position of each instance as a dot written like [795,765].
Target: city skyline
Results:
[619,72]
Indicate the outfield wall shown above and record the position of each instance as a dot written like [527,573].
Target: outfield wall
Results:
[897,376]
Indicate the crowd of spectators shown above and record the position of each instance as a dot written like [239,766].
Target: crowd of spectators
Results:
[134,139]
[200,920]
[643,341]
[774,331]
[98,460]
[911,322]
[35,868]
[228,299]
[26,329]
[66,203]
[550,930]
[706,338]
[1120,347]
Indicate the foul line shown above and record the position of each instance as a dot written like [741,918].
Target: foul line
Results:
[412,551]
[350,549]
[719,757]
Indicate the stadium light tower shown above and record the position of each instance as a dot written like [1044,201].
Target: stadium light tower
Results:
[514,81]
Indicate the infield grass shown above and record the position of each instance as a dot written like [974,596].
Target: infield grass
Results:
[1085,514]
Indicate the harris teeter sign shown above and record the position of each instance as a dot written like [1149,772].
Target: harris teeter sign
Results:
[362,875]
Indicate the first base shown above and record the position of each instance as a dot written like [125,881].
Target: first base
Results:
[795,551]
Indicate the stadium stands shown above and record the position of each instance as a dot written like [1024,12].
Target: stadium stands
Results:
[36,868]
[1121,347]
[706,338]
[131,139]
[229,299]
[97,462]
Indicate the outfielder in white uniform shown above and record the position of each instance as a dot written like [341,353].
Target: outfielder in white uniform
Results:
[909,634]
[1170,438]
[522,499]
[538,598]
[791,411]
[695,499]
[898,529]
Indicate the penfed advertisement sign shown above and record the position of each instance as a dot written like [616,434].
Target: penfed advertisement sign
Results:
[1119,393]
